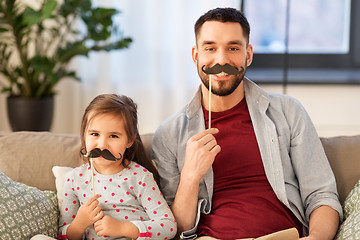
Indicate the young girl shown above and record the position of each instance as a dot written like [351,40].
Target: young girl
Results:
[127,203]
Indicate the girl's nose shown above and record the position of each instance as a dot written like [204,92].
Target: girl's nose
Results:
[102,144]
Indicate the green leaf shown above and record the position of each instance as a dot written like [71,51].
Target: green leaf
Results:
[74,7]
[71,50]
[99,23]
[42,64]
[70,74]
[48,8]
[31,17]
[2,30]
[6,89]
[123,43]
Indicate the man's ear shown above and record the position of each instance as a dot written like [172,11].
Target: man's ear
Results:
[194,54]
[249,55]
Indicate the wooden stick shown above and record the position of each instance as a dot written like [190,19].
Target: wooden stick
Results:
[92,176]
[210,87]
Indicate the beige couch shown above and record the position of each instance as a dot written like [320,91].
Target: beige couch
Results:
[28,157]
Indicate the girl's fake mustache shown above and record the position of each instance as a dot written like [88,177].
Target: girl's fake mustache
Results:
[227,68]
[97,152]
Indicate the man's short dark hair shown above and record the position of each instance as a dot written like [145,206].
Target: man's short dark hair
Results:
[224,15]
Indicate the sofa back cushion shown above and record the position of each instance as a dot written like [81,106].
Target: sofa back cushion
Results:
[28,157]
[343,153]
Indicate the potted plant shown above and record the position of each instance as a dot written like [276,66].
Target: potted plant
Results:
[38,43]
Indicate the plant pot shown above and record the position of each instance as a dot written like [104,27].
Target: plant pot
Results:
[30,114]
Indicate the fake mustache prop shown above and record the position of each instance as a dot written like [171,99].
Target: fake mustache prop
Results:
[216,69]
[97,152]
[227,68]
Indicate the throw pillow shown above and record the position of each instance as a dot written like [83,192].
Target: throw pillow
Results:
[350,228]
[26,211]
[60,174]
[352,202]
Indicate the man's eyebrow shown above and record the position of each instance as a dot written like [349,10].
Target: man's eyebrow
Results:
[235,42]
[207,42]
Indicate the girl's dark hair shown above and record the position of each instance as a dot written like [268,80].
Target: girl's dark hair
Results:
[224,15]
[123,106]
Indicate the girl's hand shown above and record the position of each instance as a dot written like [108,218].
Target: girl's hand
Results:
[107,226]
[110,227]
[88,213]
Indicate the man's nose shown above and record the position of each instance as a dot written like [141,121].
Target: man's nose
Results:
[222,57]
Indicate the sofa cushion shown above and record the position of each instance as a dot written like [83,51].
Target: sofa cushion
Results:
[26,211]
[343,153]
[28,157]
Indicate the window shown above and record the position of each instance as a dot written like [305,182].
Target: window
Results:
[312,41]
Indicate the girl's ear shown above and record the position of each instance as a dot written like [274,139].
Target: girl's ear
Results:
[131,141]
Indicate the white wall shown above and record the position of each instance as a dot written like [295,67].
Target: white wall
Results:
[334,109]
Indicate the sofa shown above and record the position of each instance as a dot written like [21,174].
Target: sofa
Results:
[27,180]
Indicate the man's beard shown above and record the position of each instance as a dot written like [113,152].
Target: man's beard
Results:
[221,90]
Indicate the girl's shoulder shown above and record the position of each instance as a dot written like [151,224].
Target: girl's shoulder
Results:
[81,169]
[136,167]
[137,171]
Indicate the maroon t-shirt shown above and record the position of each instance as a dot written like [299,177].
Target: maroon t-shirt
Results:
[243,204]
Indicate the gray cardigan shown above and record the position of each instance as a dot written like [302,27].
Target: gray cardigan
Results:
[294,160]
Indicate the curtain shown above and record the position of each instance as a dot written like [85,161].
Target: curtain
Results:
[157,71]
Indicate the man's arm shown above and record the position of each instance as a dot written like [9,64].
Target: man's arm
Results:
[201,150]
[185,203]
[323,225]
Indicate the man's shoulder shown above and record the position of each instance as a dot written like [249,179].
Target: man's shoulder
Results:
[255,92]
[173,123]
[177,121]
[283,100]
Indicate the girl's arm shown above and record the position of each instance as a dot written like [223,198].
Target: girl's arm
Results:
[74,219]
[86,216]
[162,222]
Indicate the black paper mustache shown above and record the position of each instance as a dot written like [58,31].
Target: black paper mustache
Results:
[227,68]
[97,152]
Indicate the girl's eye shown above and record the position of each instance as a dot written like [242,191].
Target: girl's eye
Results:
[113,136]
[94,134]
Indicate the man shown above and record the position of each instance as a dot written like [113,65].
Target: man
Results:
[260,169]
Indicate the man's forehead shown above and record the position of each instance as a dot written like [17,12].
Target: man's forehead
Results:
[213,32]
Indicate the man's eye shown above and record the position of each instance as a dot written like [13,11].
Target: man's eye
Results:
[209,49]
[234,49]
